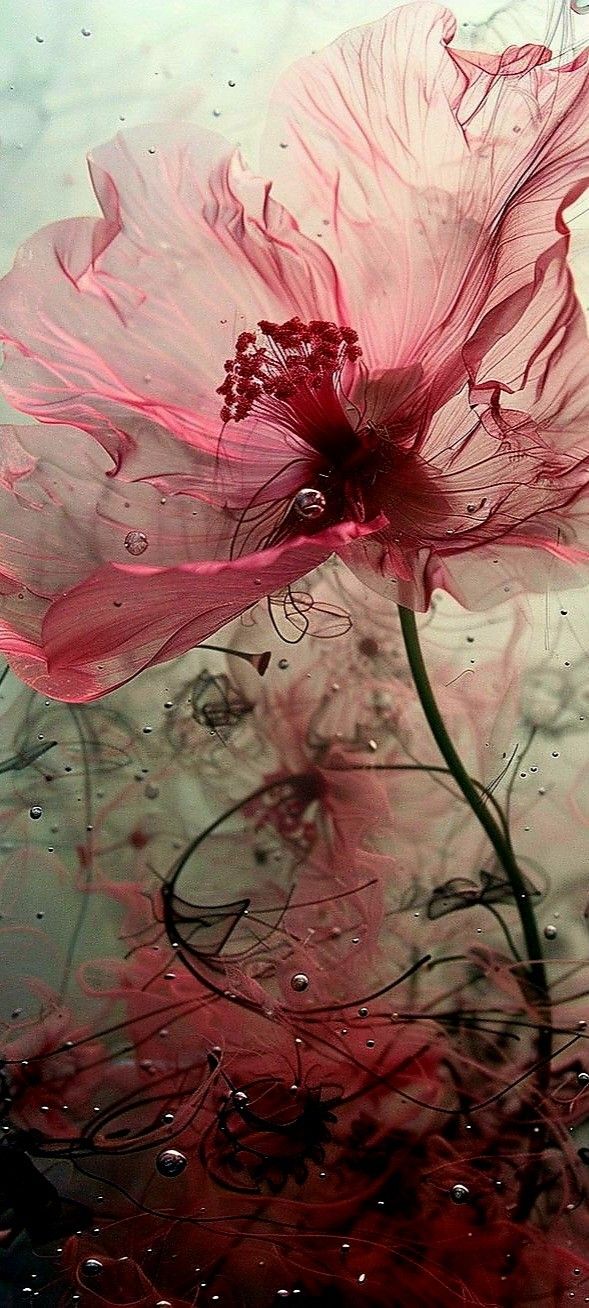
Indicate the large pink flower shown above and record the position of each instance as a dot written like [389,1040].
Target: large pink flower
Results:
[382,358]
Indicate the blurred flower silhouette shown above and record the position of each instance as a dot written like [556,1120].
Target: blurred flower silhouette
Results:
[347,1164]
[404,358]
[555,700]
[51,1068]
[264,1103]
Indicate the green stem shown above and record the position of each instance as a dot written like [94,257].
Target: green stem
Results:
[536,971]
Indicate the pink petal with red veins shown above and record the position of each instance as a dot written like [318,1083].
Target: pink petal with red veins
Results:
[531,353]
[62,515]
[477,488]
[437,181]
[134,313]
[122,619]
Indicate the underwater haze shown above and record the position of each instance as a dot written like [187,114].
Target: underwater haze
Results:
[294,654]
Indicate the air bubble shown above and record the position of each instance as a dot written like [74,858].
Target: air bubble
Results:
[171,1162]
[460,1194]
[299,981]
[91,1267]
[310,504]
[283,664]
[136,542]
[550,932]
[36,811]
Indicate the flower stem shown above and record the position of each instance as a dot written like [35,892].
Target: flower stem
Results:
[498,836]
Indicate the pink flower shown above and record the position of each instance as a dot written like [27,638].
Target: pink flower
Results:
[382,358]
[52,1069]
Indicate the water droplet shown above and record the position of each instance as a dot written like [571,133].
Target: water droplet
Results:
[91,1267]
[36,811]
[299,981]
[310,504]
[136,542]
[550,932]
[171,1162]
[460,1194]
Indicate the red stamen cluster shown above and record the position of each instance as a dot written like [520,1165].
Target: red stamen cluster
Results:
[298,355]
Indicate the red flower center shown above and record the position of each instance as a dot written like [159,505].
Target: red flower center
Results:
[293,381]
[298,357]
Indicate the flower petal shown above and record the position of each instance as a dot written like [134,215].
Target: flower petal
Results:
[124,618]
[62,513]
[437,182]
[134,313]
[479,485]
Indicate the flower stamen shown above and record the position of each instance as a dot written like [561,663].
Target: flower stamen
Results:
[297,356]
